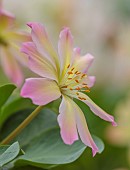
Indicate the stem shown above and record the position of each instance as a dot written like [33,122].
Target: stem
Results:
[12,135]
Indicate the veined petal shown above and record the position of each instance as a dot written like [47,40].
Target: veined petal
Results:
[83,130]
[42,42]
[6,20]
[37,63]
[66,120]
[65,48]
[11,67]
[96,109]
[83,63]
[41,90]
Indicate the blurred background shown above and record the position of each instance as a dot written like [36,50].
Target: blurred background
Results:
[101,28]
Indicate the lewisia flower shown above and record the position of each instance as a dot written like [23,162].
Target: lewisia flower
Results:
[62,74]
[10,41]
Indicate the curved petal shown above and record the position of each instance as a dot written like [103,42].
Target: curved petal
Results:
[84,131]
[40,90]
[83,63]
[67,123]
[96,109]
[11,67]
[42,42]
[65,48]
[6,20]
[71,117]
[37,63]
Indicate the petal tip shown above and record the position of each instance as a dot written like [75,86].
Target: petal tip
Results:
[95,151]
[114,123]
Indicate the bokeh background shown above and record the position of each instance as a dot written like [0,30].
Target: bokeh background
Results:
[101,28]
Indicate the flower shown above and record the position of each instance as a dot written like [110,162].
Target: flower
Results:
[61,74]
[10,41]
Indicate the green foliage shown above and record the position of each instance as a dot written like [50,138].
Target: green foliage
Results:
[40,140]
[7,154]
[42,143]
[5,92]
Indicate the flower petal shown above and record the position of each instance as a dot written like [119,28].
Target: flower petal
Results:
[96,109]
[40,90]
[83,63]
[89,80]
[71,117]
[65,48]
[83,130]
[6,20]
[11,67]
[37,63]
[66,120]
[42,42]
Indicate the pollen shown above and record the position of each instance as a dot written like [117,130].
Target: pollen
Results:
[77,81]
[78,88]
[72,69]
[68,66]
[70,72]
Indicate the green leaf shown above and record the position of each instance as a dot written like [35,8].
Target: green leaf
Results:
[48,150]
[13,107]
[5,92]
[9,154]
[42,143]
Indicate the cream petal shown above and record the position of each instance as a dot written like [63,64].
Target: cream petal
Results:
[43,44]
[67,123]
[41,90]
[65,48]
[38,63]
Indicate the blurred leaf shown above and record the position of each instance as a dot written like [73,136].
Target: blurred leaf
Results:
[13,107]
[5,92]
[9,154]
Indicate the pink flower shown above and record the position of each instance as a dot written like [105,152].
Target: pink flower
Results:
[62,74]
[10,41]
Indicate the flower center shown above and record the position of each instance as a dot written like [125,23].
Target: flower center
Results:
[74,81]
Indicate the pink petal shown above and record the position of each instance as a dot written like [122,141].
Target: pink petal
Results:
[37,63]
[77,52]
[70,119]
[89,80]
[6,20]
[41,90]
[66,120]
[11,67]
[83,130]
[83,63]
[65,48]
[42,42]
[96,109]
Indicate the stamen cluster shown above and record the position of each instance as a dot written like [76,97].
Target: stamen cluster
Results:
[74,81]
